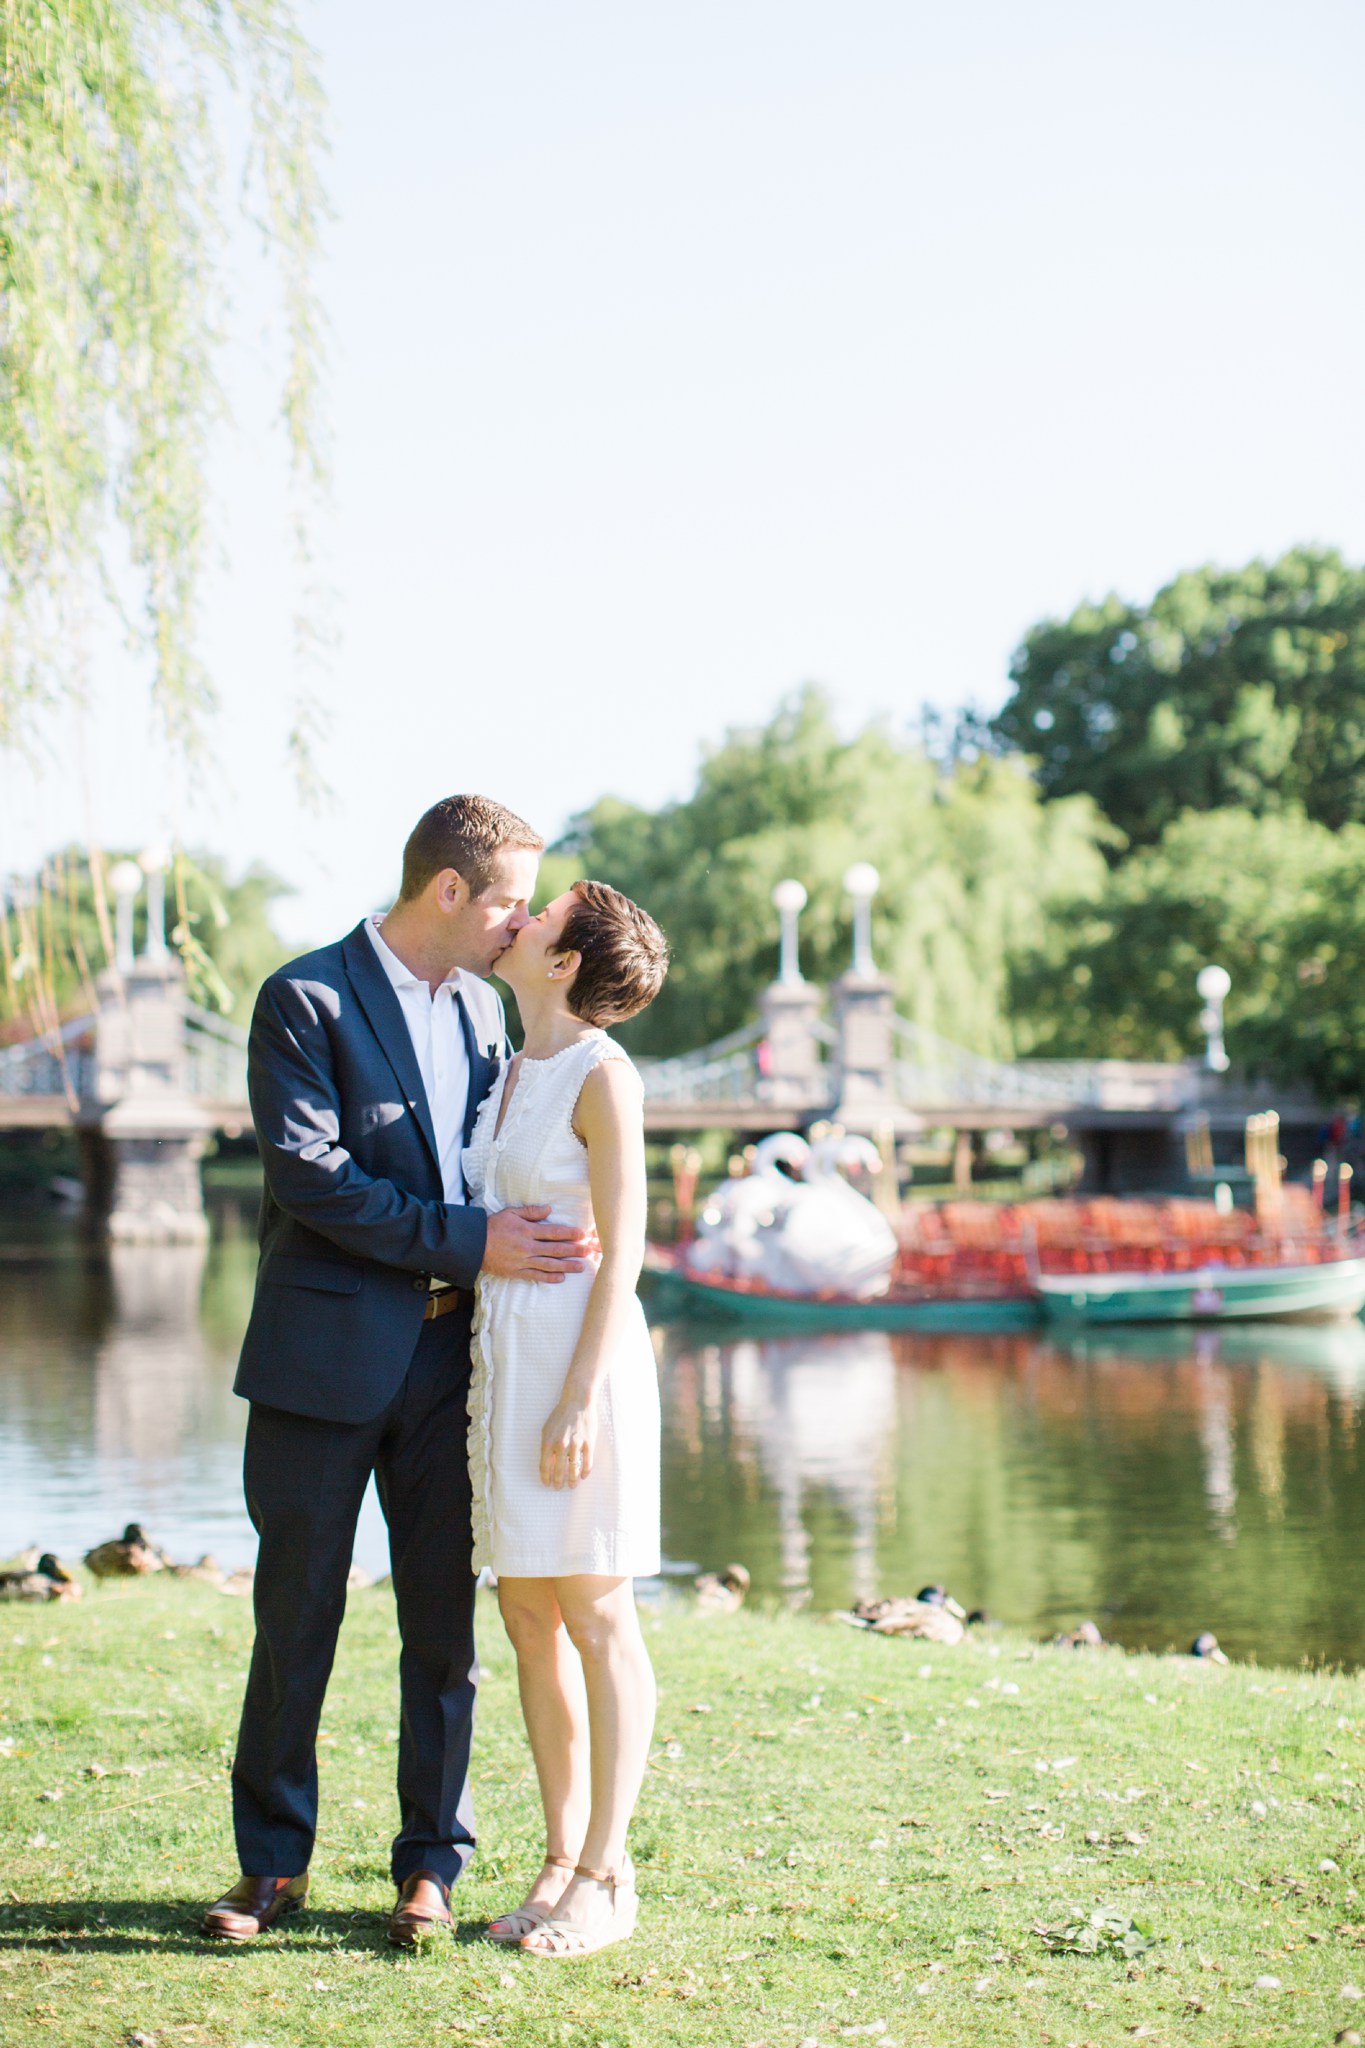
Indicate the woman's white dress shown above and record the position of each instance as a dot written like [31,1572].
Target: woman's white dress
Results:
[524,1337]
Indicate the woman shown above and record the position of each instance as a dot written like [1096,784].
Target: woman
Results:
[564,1407]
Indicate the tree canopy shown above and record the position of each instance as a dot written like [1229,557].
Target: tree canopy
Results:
[111,295]
[971,861]
[1278,901]
[1233,688]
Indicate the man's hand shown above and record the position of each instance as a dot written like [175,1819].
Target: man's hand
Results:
[522,1246]
[567,1444]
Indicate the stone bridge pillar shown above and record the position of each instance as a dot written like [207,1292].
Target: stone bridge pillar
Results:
[864,1007]
[142,1133]
[792,1068]
[864,1011]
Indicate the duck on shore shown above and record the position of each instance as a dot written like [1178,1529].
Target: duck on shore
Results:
[722,1592]
[1206,1647]
[46,1580]
[208,1569]
[129,1556]
[1085,1636]
[932,1616]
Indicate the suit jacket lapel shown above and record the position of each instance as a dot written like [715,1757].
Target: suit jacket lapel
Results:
[483,1070]
[375,993]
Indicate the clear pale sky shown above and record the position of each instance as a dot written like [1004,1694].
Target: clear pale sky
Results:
[684,353]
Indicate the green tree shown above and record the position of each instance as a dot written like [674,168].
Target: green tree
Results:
[1233,688]
[1278,901]
[970,860]
[1317,1033]
[53,937]
[111,295]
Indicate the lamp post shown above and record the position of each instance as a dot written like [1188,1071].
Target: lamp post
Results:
[154,863]
[789,900]
[125,878]
[862,882]
[1213,984]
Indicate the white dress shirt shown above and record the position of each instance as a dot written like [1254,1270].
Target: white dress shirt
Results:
[433,1023]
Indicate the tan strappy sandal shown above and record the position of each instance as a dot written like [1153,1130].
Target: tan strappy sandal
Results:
[525,1919]
[565,1942]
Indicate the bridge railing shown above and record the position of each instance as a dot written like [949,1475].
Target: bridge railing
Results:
[216,1051]
[60,1062]
[725,1071]
[932,1074]
[1159,1087]
[937,1073]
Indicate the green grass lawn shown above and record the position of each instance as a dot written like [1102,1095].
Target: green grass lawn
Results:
[841,1839]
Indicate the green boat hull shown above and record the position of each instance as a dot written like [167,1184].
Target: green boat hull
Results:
[672,1293]
[1331,1292]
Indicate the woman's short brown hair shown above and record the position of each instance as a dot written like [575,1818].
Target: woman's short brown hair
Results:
[623,954]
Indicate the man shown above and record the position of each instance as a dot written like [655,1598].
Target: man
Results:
[368,1060]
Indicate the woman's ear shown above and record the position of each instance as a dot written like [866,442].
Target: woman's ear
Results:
[564,966]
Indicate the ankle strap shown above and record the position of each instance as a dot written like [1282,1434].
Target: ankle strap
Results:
[561,1862]
[612,1877]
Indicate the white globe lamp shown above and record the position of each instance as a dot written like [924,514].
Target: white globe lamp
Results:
[789,900]
[862,882]
[1213,983]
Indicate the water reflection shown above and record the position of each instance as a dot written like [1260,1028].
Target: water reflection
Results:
[820,1418]
[149,1359]
[115,1392]
[1160,1481]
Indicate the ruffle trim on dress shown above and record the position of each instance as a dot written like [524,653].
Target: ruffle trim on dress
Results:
[575,1045]
[480,1441]
[474,1157]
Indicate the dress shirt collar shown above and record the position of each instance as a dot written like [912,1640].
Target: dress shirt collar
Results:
[401,976]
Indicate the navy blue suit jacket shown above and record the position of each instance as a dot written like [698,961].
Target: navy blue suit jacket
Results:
[353,1216]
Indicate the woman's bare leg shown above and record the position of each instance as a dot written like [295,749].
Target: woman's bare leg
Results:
[599,1615]
[554,1706]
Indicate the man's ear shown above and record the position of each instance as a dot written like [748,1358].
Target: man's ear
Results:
[452,890]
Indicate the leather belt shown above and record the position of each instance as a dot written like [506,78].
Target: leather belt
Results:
[444,1303]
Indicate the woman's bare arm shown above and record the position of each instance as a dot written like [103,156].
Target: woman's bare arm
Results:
[610,1121]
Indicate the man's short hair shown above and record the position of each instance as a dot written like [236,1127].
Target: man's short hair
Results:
[624,955]
[464,833]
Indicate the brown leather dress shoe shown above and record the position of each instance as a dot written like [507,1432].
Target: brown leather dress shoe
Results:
[423,1903]
[254,1905]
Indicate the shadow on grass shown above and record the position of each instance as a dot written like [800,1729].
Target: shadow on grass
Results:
[142,1926]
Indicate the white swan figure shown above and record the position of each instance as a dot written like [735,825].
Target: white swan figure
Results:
[727,1240]
[826,1237]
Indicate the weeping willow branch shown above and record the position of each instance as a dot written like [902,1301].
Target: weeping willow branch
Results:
[111,304]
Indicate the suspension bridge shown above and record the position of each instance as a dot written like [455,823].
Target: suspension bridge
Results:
[148,1078]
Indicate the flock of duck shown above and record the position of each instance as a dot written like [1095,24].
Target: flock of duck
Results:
[933,1616]
[38,1575]
[930,1616]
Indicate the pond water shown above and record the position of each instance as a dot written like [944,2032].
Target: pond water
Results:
[1161,1483]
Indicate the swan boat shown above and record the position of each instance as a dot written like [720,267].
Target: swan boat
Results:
[793,1243]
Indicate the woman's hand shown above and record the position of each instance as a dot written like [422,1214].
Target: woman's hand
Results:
[568,1443]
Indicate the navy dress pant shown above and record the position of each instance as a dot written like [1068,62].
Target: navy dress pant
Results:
[305,1480]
